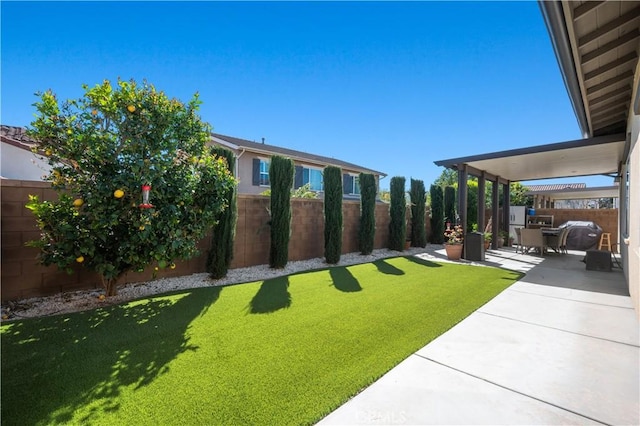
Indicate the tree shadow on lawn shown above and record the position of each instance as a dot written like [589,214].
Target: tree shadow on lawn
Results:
[272,296]
[423,262]
[56,366]
[344,280]
[387,268]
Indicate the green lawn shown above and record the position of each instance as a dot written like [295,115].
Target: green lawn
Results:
[283,351]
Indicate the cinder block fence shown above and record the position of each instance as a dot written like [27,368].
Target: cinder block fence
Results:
[22,276]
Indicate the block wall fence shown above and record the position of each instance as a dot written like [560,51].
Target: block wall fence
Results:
[607,219]
[21,276]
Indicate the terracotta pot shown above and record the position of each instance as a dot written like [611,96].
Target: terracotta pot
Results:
[454,251]
[487,244]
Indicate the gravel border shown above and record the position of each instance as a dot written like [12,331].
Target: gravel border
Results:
[89,299]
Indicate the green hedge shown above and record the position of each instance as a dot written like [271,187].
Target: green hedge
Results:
[418,208]
[437,214]
[397,213]
[332,214]
[223,234]
[367,231]
[450,204]
[281,173]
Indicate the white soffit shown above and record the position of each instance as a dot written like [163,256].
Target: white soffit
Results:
[594,156]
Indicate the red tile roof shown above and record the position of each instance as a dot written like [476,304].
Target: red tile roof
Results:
[17,137]
[555,187]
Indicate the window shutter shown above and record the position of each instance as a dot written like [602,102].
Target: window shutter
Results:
[297,182]
[347,184]
[256,172]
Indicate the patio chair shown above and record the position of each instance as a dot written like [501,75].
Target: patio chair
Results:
[563,240]
[532,239]
[519,247]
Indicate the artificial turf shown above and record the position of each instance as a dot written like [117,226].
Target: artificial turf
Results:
[287,350]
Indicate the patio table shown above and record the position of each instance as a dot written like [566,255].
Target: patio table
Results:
[550,236]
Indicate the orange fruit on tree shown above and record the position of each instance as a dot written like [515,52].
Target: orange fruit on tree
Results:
[80,259]
[78,202]
[131,108]
[118,193]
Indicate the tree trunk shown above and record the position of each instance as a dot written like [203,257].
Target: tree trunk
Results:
[110,287]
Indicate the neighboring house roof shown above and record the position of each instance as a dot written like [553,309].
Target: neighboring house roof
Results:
[17,136]
[18,158]
[262,148]
[555,187]
[578,193]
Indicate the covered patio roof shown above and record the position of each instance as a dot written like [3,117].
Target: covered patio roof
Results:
[599,155]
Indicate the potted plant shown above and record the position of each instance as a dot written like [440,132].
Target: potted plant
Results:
[453,242]
[488,236]
[504,238]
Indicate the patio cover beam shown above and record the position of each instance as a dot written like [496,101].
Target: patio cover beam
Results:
[582,157]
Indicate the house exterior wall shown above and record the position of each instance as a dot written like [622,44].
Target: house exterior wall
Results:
[18,163]
[244,168]
[21,276]
[245,174]
[631,235]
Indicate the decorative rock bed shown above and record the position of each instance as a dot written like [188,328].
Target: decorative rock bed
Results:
[90,299]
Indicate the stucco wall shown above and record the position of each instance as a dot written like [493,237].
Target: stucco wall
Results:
[631,258]
[18,163]
[245,172]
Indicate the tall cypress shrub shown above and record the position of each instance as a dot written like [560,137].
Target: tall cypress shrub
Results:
[332,214]
[367,231]
[223,234]
[450,204]
[397,212]
[418,207]
[281,173]
[437,214]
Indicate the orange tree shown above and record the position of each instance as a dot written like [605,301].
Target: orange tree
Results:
[103,147]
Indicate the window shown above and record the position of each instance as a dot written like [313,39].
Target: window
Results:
[313,177]
[264,173]
[350,184]
[260,172]
[356,185]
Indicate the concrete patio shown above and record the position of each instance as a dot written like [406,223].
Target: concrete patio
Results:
[560,346]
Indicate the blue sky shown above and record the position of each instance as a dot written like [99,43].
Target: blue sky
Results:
[391,86]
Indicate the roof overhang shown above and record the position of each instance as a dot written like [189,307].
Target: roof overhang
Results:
[580,193]
[597,45]
[594,156]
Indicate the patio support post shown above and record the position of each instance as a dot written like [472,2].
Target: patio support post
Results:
[482,180]
[495,213]
[462,201]
[505,207]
